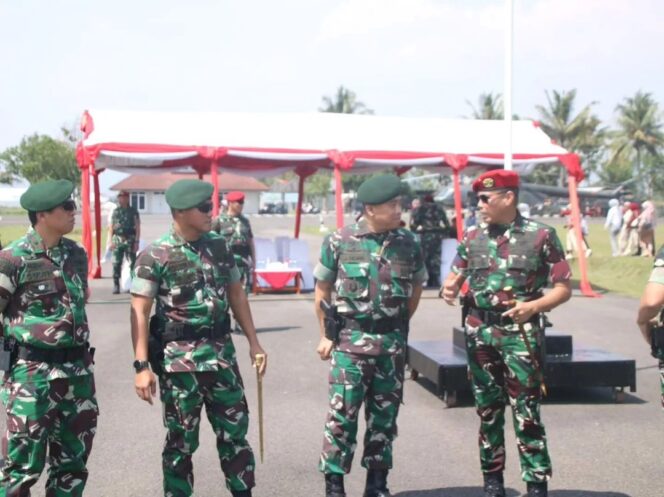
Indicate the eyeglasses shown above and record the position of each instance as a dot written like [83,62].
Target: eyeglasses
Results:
[241,202]
[205,207]
[485,199]
[68,205]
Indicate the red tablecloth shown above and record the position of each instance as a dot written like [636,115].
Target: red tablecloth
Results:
[277,279]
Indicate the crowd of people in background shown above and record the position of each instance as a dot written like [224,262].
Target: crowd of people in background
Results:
[632,228]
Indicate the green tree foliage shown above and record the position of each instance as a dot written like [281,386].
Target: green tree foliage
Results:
[580,133]
[344,102]
[39,158]
[639,133]
[489,106]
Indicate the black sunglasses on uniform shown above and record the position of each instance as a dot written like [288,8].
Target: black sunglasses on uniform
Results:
[205,207]
[68,205]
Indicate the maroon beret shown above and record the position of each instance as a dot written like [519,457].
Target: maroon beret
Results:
[235,196]
[498,179]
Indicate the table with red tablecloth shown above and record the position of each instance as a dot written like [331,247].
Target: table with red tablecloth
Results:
[278,279]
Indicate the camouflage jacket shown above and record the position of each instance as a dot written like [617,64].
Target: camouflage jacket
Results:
[657,275]
[42,298]
[237,232]
[428,217]
[510,261]
[373,275]
[189,280]
[124,221]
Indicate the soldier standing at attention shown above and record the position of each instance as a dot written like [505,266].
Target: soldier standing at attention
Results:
[236,230]
[49,389]
[652,302]
[377,271]
[125,231]
[507,261]
[426,221]
[192,274]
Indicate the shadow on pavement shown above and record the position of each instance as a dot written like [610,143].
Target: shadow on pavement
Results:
[475,491]
[270,329]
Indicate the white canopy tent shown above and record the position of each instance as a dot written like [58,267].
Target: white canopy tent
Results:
[266,144]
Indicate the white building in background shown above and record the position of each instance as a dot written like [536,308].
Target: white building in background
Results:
[146,191]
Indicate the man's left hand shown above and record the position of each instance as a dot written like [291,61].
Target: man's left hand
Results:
[521,312]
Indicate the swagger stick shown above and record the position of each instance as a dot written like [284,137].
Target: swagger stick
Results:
[260,358]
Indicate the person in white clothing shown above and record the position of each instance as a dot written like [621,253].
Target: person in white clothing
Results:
[614,219]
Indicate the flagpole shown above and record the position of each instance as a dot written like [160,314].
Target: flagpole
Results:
[507,92]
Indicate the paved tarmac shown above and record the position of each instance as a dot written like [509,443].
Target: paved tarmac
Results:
[599,448]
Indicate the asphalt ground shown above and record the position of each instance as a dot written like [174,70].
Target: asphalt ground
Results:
[599,448]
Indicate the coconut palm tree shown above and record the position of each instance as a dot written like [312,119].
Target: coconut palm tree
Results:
[489,106]
[639,132]
[580,133]
[344,102]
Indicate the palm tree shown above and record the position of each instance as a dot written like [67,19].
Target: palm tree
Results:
[490,106]
[580,133]
[639,132]
[344,102]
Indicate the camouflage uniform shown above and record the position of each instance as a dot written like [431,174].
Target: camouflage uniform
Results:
[48,405]
[657,276]
[236,230]
[503,263]
[124,238]
[373,274]
[190,280]
[425,221]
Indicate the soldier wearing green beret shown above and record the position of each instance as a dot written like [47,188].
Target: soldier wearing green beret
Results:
[192,274]
[49,388]
[124,232]
[377,270]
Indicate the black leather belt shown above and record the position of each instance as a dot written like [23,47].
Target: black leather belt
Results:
[54,356]
[495,318]
[177,332]
[378,326]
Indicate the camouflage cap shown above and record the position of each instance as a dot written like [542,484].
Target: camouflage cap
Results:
[188,193]
[379,189]
[47,195]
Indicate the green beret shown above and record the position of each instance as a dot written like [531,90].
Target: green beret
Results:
[379,189]
[47,195]
[188,193]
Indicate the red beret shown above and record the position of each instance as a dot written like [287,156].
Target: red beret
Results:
[235,196]
[498,179]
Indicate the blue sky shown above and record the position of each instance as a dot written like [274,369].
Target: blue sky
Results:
[402,57]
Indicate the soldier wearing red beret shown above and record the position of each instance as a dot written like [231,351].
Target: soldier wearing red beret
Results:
[507,261]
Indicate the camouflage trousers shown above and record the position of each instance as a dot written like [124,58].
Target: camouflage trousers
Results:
[502,371]
[378,382]
[661,379]
[123,247]
[432,248]
[244,266]
[222,393]
[59,415]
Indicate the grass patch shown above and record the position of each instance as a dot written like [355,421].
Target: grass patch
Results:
[18,211]
[9,233]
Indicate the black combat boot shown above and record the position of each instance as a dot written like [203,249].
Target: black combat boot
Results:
[537,489]
[116,286]
[334,485]
[493,484]
[241,493]
[376,483]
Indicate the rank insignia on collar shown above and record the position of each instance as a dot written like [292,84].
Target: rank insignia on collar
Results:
[487,182]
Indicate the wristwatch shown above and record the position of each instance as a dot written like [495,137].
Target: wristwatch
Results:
[141,365]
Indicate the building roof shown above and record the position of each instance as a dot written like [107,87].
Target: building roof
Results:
[160,182]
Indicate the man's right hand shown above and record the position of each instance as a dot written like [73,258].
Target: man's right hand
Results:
[145,383]
[450,291]
[324,348]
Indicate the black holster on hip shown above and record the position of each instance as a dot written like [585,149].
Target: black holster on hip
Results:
[657,339]
[155,347]
[332,321]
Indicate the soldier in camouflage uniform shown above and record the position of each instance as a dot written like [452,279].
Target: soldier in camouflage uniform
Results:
[507,261]
[48,390]
[652,302]
[426,221]
[377,271]
[236,230]
[192,274]
[125,231]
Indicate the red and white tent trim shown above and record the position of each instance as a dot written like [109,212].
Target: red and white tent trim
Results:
[268,144]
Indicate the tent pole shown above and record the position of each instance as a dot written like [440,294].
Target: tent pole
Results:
[86,235]
[584,284]
[338,190]
[457,204]
[298,212]
[214,178]
[96,273]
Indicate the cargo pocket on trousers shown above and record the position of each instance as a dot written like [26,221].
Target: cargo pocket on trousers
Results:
[345,392]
